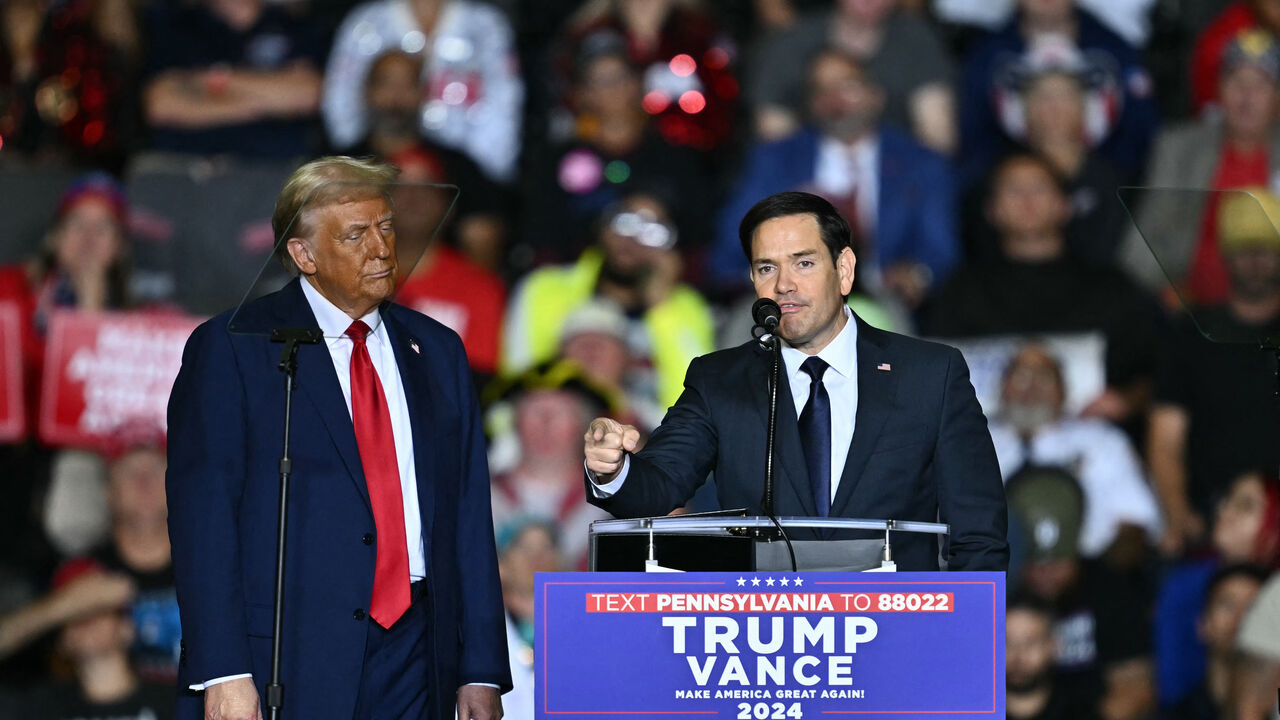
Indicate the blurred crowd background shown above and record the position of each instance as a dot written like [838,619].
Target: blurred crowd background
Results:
[605,151]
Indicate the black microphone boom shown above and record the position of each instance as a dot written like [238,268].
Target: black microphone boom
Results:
[766,313]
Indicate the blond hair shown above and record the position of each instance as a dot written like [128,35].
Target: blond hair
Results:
[319,183]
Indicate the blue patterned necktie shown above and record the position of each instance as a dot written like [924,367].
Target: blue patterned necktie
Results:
[815,435]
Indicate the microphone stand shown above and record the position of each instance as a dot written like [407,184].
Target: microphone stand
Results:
[768,338]
[291,338]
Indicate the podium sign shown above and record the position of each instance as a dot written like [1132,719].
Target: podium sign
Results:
[770,645]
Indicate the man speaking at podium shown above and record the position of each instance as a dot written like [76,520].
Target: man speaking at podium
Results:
[392,607]
[871,424]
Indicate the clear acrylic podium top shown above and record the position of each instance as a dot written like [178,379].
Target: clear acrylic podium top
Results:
[722,524]
[722,541]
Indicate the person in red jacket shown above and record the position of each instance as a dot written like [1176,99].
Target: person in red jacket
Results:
[445,285]
[83,264]
[1206,57]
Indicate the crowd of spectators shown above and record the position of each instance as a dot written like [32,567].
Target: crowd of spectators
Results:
[1024,173]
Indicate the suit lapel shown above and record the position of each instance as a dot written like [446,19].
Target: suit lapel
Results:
[789,473]
[419,395]
[877,393]
[318,385]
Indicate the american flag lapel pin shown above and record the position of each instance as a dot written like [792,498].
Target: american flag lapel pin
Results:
[413,345]
[885,367]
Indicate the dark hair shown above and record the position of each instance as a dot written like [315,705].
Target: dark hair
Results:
[1025,601]
[1228,572]
[1026,156]
[1268,477]
[104,187]
[835,51]
[835,230]
[414,58]
[604,43]
[1266,544]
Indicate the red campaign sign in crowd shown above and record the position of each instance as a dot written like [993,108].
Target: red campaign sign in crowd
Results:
[106,370]
[13,406]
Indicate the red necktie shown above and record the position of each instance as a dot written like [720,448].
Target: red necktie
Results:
[372,421]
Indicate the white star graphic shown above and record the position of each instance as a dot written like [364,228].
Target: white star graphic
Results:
[742,581]
[768,581]
[785,582]
[799,582]
[755,582]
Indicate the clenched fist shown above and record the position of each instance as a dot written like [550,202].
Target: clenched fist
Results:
[607,443]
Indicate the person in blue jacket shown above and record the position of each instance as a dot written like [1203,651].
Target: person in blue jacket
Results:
[897,195]
[393,609]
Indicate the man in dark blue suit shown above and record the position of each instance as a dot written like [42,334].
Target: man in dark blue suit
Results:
[897,195]
[392,604]
[871,424]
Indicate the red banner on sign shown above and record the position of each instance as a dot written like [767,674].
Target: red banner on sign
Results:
[106,370]
[13,406]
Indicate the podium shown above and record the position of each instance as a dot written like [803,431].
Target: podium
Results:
[752,638]
[721,543]
[769,644]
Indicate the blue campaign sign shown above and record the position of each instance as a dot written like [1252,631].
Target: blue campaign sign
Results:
[770,645]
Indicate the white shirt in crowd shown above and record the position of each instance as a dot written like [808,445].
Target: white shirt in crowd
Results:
[1130,19]
[843,170]
[1100,457]
[472,86]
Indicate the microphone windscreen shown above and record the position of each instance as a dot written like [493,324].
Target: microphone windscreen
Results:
[766,313]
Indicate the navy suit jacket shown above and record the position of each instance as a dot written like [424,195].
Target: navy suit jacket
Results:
[921,449]
[915,215]
[225,429]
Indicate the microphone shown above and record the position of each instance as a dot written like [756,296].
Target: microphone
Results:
[767,314]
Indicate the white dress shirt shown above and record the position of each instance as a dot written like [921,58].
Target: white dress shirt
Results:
[334,323]
[841,381]
[843,170]
[1100,456]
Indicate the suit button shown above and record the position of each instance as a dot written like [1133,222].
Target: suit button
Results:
[358,614]
[367,539]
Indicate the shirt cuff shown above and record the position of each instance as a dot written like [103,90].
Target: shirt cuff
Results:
[491,685]
[217,681]
[609,489]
